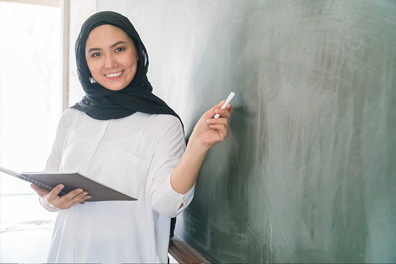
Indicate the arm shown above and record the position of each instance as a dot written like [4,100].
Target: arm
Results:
[207,132]
[175,170]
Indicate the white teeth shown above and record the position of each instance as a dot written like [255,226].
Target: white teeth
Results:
[113,74]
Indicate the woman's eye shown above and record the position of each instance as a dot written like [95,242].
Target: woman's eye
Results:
[119,49]
[96,54]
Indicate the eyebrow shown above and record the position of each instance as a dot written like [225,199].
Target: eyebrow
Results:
[112,46]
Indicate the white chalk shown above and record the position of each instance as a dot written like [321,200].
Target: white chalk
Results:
[228,100]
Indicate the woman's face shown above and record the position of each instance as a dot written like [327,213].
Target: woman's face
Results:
[111,57]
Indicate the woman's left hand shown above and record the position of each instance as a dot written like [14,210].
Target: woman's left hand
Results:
[209,130]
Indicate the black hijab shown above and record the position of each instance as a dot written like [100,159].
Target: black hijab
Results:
[103,104]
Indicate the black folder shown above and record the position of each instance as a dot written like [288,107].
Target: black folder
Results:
[71,181]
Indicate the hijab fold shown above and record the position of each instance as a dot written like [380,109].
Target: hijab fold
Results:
[103,104]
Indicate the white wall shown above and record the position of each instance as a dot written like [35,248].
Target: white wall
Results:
[79,11]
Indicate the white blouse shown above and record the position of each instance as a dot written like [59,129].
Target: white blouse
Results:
[135,155]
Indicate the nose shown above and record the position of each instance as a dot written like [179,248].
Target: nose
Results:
[110,61]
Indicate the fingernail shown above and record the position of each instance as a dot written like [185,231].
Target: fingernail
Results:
[61,186]
[216,111]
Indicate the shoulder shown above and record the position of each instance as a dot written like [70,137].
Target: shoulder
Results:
[68,117]
[165,123]
[70,113]
[160,126]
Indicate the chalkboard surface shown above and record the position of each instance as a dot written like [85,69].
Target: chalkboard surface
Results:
[308,173]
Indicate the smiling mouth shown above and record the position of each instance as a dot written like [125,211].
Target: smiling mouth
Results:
[113,76]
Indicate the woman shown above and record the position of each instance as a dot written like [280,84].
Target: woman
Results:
[125,137]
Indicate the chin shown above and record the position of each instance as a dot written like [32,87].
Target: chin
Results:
[113,87]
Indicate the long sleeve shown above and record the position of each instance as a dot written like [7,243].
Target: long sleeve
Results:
[54,159]
[168,152]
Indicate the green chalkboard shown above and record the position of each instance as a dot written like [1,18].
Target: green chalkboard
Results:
[308,172]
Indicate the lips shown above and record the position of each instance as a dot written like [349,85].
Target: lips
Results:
[114,75]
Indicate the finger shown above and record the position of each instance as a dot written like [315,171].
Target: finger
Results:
[211,112]
[230,108]
[220,124]
[53,195]
[223,113]
[71,195]
[77,199]
[216,121]
[221,130]
[87,197]
[81,197]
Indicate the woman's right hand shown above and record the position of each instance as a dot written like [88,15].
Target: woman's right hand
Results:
[65,201]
